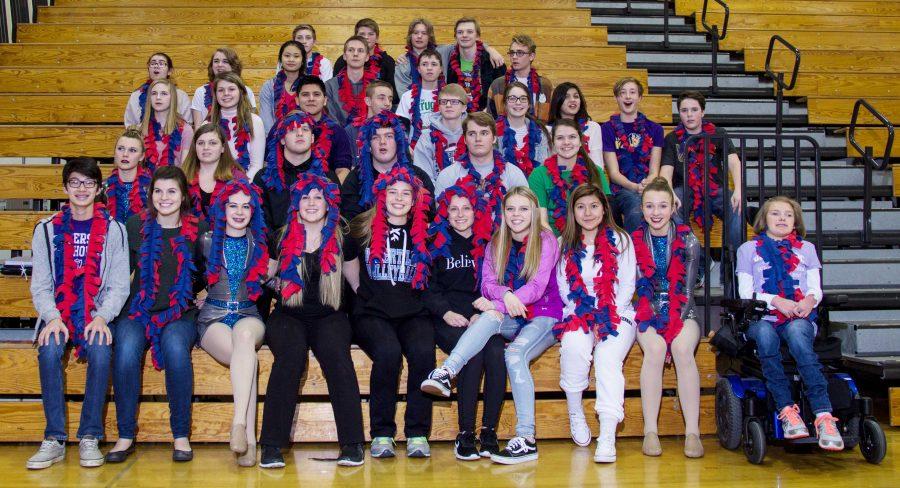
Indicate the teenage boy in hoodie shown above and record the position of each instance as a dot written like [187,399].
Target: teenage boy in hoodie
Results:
[312,100]
[445,133]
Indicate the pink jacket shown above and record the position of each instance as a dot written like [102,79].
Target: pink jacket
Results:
[541,291]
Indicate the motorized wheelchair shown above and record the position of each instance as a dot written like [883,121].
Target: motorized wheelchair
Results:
[746,415]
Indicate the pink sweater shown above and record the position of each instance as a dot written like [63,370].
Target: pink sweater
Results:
[541,291]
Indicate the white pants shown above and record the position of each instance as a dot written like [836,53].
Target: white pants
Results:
[576,351]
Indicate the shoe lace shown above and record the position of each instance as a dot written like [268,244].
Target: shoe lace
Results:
[516,443]
[791,414]
[417,441]
[89,443]
[48,445]
[383,440]
[830,424]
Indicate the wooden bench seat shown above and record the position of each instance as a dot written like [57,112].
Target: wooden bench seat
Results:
[688,7]
[806,22]
[858,85]
[57,141]
[877,138]
[831,39]
[823,110]
[826,62]
[526,4]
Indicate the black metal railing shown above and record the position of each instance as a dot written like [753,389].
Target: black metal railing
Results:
[778,78]
[770,179]
[665,43]
[715,36]
[870,163]
[18,12]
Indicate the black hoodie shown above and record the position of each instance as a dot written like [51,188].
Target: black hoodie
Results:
[351,191]
[386,290]
[453,287]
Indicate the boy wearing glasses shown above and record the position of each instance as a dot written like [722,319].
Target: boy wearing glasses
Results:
[522,52]
[79,284]
[439,145]
[159,67]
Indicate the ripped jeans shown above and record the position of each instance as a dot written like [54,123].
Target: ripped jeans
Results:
[532,340]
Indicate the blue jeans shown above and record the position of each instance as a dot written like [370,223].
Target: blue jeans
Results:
[719,207]
[528,344]
[53,397]
[799,335]
[130,344]
[627,204]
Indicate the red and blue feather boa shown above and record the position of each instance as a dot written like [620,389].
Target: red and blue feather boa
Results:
[634,162]
[512,276]
[171,145]
[285,101]
[241,139]
[416,121]
[559,192]
[694,157]
[384,119]
[534,86]
[134,201]
[482,228]
[523,157]
[782,258]
[490,188]
[142,96]
[470,81]
[314,64]
[273,172]
[439,141]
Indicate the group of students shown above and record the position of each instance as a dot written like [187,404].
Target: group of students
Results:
[493,239]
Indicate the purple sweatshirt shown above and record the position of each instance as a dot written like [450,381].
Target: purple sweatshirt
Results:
[541,291]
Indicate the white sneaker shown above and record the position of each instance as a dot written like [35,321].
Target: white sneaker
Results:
[50,452]
[89,452]
[606,449]
[581,433]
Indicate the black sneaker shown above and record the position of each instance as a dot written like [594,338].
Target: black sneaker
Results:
[271,457]
[465,447]
[488,442]
[518,450]
[438,383]
[351,455]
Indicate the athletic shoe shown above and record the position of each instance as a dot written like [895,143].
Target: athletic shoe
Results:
[581,433]
[438,382]
[487,441]
[271,457]
[829,437]
[606,449]
[518,450]
[464,449]
[88,452]
[51,451]
[417,447]
[382,447]
[351,455]
[792,424]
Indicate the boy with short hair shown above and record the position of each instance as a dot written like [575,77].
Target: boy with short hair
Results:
[346,91]
[522,52]
[382,64]
[312,99]
[443,140]
[470,65]
[316,63]
[419,104]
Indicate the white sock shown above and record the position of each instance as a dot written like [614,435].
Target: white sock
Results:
[573,400]
[608,426]
[822,414]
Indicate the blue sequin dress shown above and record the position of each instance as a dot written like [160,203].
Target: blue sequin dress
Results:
[235,250]
[661,260]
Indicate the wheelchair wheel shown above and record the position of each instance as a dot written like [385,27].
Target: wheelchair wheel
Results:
[755,443]
[729,415]
[851,431]
[872,443]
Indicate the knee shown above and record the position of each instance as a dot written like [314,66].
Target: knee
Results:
[387,356]
[245,336]
[681,351]
[51,351]
[654,352]
[767,340]
[97,353]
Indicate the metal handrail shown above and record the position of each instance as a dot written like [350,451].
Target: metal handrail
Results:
[714,27]
[665,43]
[779,77]
[715,37]
[867,153]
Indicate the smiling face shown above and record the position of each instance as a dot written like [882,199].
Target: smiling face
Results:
[312,99]
[209,148]
[572,103]
[77,189]
[166,197]
[628,98]
[129,153]
[384,146]
[292,59]
[298,140]
[220,63]
[566,142]
[588,212]
[356,54]
[479,140]
[517,102]
[780,220]
[461,214]
[161,97]
[518,213]
[466,34]
[658,208]
[228,94]
[419,37]
[238,211]
[691,114]
[158,68]
[398,199]
[312,207]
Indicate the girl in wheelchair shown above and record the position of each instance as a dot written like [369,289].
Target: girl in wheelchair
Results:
[782,269]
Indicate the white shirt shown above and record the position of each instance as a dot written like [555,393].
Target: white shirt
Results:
[426,107]
[133,108]
[624,286]
[198,105]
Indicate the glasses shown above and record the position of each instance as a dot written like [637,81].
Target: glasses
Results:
[76,183]
[158,64]
[452,102]
[514,99]
[517,54]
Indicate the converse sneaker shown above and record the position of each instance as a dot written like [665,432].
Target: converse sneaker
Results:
[417,447]
[464,449]
[487,441]
[438,382]
[581,433]
[351,455]
[826,430]
[271,457]
[88,452]
[51,451]
[382,447]
[792,424]
[606,449]
[518,450]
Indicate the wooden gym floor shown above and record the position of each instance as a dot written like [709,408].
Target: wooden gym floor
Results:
[561,465]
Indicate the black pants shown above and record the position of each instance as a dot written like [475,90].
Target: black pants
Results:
[490,361]
[384,341]
[290,338]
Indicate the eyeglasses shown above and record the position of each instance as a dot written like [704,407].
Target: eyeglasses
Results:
[514,99]
[452,102]
[76,183]
[158,64]
[517,54]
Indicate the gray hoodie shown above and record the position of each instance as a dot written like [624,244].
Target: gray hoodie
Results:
[114,274]
[423,155]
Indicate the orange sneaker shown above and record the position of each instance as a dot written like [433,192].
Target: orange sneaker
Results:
[826,430]
[792,424]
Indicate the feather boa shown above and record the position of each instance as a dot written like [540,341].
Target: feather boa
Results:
[259,257]
[171,145]
[133,202]
[523,157]
[416,110]
[634,162]
[181,292]
[439,141]
[491,187]
[354,105]
[534,86]
[76,303]
[419,223]
[694,156]
[585,138]
[595,313]
[273,172]
[208,96]
[439,231]
[195,192]
[142,96]
[782,258]
[470,81]
[385,119]
[285,101]
[314,64]
[667,326]
[242,138]
[512,277]
[373,65]
[559,192]
[293,245]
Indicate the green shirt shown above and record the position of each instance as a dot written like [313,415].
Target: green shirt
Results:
[465,66]
[540,183]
